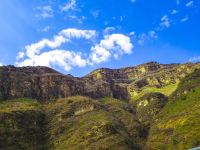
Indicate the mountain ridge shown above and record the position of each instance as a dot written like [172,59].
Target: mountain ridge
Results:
[44,83]
[44,69]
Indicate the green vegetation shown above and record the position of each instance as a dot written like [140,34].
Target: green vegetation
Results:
[178,125]
[103,124]
[18,105]
[149,106]
[72,123]
[22,125]
[166,90]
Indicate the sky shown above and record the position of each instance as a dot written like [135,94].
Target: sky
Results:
[78,36]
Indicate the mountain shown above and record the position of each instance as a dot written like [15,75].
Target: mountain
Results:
[46,84]
[149,106]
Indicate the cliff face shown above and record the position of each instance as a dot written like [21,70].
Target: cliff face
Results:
[46,84]
[43,83]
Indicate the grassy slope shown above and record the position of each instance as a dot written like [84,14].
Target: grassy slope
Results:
[73,123]
[178,126]
[105,124]
[22,125]
[166,90]
[18,105]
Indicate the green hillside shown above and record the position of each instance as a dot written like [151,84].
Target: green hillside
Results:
[22,125]
[178,125]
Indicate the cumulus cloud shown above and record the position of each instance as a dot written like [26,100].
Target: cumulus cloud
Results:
[62,58]
[63,37]
[45,12]
[189,4]
[33,49]
[112,46]
[34,56]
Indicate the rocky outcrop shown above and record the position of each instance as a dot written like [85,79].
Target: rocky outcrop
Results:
[44,83]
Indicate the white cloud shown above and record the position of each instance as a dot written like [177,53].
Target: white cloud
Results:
[165,22]
[111,46]
[121,18]
[108,30]
[174,12]
[20,55]
[45,12]
[143,37]
[75,33]
[195,59]
[33,49]
[190,4]
[61,58]
[63,37]
[186,18]
[95,13]
[76,18]
[132,33]
[70,5]
[45,29]
[1,64]
[152,34]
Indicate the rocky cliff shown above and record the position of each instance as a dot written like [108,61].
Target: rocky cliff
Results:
[45,84]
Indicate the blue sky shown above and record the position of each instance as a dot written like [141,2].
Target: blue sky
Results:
[76,36]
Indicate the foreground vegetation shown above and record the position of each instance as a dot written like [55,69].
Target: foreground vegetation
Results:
[22,125]
[72,123]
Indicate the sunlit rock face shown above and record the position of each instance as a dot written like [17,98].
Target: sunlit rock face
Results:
[45,83]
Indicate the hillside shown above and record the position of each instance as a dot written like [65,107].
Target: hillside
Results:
[150,106]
